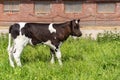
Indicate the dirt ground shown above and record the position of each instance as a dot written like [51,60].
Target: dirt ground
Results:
[100,27]
[4,29]
[86,30]
[92,31]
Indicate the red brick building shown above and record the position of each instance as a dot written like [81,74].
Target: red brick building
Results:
[91,12]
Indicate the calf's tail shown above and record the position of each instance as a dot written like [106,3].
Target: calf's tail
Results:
[9,38]
[9,41]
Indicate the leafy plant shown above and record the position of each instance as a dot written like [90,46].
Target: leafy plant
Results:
[108,36]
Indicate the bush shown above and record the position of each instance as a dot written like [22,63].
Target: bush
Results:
[108,36]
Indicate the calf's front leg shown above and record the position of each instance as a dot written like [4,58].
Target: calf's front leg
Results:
[58,55]
[52,56]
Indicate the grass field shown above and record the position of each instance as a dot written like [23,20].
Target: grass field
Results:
[83,59]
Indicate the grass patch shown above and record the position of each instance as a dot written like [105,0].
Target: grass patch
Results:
[83,59]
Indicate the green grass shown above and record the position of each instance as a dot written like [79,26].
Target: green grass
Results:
[83,59]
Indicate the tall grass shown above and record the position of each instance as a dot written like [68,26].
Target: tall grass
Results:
[83,59]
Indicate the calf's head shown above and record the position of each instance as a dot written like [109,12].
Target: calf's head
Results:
[75,28]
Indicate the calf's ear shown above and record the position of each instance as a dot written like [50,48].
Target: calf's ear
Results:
[78,20]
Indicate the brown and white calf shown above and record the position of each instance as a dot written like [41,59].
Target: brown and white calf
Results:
[51,34]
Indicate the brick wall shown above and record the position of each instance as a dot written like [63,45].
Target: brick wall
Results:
[88,16]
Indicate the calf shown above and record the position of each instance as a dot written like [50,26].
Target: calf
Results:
[51,34]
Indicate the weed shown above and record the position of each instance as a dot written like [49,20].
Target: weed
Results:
[108,36]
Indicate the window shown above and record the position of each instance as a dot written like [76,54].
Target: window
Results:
[106,8]
[73,7]
[11,6]
[42,7]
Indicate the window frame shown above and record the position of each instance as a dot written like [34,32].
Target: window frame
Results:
[81,2]
[11,5]
[39,12]
[106,11]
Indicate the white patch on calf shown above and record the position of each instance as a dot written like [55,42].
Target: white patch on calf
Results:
[21,40]
[51,29]
[30,41]
[54,37]
[76,21]
[22,24]
[50,44]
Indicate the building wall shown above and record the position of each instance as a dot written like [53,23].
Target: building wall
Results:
[89,15]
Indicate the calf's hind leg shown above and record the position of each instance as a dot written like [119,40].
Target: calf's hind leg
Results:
[10,53]
[16,54]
